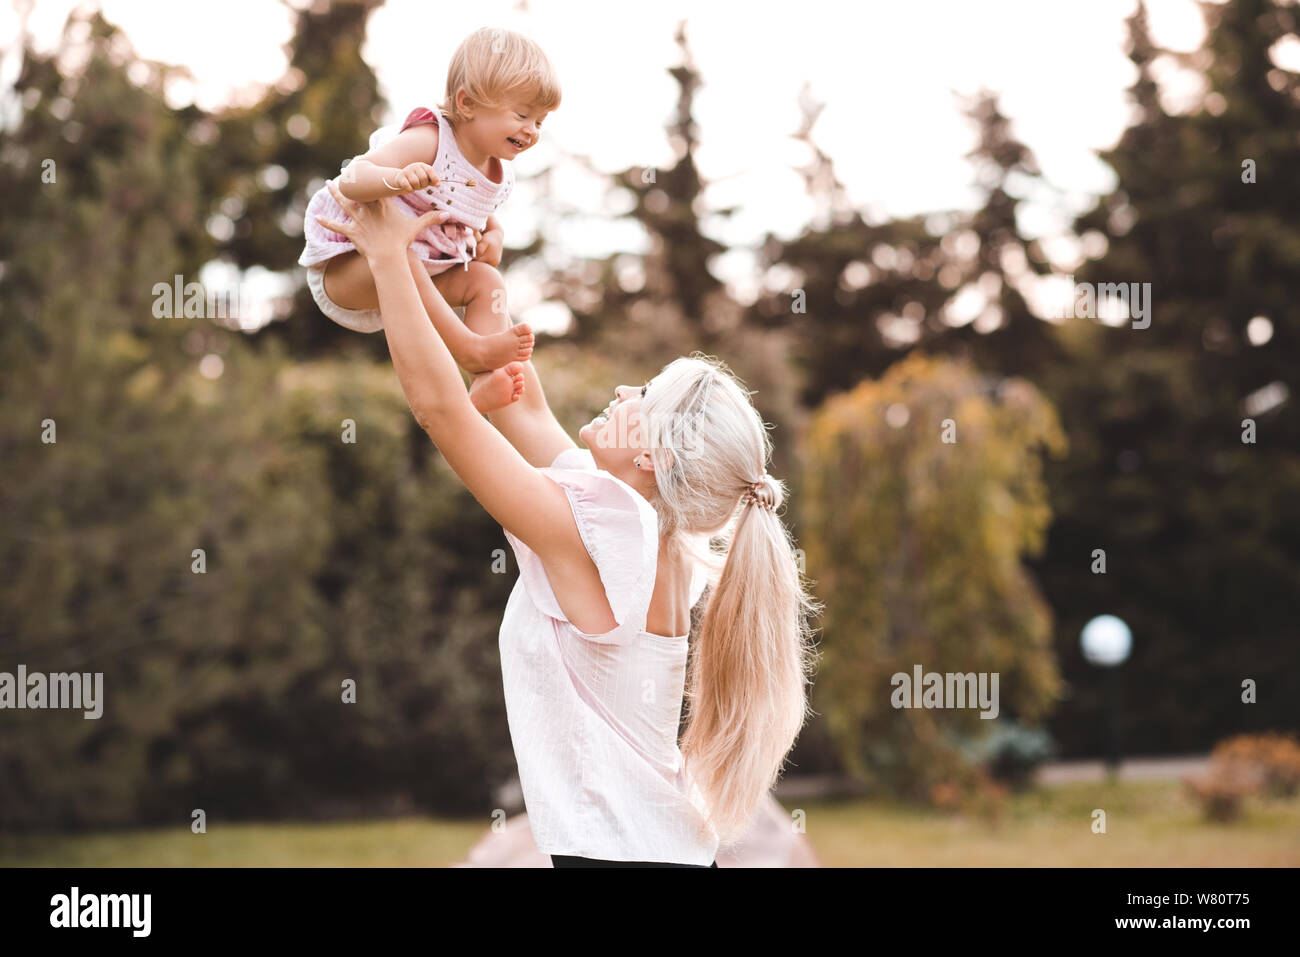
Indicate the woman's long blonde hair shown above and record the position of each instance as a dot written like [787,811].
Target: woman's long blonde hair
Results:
[752,655]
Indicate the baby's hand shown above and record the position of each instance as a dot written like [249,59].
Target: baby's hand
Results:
[488,246]
[411,178]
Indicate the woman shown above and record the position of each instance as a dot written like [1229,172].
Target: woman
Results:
[613,549]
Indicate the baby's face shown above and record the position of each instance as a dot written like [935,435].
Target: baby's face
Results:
[507,131]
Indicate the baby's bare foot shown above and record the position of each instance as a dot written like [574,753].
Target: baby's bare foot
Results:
[497,389]
[492,352]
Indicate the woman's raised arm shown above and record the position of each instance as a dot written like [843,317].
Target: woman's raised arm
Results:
[517,495]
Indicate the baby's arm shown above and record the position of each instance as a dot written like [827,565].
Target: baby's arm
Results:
[363,178]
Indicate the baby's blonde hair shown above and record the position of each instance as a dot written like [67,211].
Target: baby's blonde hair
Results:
[491,64]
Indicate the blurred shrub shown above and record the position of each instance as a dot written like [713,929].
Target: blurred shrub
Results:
[915,546]
[1273,756]
[971,791]
[1223,789]
[1011,752]
[1243,766]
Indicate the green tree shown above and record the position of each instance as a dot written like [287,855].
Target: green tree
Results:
[1200,528]
[1197,526]
[268,158]
[200,532]
[924,492]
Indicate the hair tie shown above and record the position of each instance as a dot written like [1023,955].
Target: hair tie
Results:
[755,494]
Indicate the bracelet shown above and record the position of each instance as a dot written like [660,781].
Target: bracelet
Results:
[388,184]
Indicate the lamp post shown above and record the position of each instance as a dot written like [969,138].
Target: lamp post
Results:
[1106,643]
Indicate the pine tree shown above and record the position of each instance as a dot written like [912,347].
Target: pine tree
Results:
[1200,527]
[277,151]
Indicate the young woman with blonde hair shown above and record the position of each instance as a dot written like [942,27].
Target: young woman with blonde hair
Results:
[613,548]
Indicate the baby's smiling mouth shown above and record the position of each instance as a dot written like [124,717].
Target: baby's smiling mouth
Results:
[518,144]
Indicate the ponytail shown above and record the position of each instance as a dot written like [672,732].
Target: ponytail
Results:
[750,662]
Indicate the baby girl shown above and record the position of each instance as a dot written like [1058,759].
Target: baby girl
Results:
[500,87]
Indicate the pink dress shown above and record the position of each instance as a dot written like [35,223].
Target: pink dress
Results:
[594,718]
[464,191]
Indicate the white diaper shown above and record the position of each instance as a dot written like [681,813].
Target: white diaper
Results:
[358,320]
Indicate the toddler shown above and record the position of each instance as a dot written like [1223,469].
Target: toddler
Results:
[500,87]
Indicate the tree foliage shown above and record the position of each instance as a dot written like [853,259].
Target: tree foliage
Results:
[924,491]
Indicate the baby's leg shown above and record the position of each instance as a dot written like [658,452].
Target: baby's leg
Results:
[490,389]
[348,282]
[482,291]
[495,390]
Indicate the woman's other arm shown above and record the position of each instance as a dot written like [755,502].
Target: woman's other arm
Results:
[530,425]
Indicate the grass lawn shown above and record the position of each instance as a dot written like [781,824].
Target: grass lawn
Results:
[1148,823]
[399,842]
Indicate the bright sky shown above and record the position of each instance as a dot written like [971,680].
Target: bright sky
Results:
[886,70]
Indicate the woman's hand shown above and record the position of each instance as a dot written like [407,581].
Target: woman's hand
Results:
[378,229]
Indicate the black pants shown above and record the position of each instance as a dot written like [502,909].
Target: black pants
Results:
[561,860]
